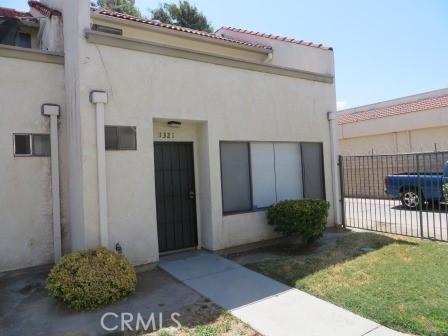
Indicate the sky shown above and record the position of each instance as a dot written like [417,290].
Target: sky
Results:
[384,49]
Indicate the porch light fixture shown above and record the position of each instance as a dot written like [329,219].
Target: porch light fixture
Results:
[174,124]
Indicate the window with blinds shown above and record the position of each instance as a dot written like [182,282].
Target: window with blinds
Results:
[257,174]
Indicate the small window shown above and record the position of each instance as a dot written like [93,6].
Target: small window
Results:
[24,40]
[22,144]
[106,29]
[120,137]
[31,145]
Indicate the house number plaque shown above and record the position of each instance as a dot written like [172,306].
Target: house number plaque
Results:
[165,135]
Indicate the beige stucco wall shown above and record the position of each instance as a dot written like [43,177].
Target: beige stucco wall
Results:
[230,104]
[405,133]
[423,140]
[184,41]
[288,54]
[215,103]
[26,237]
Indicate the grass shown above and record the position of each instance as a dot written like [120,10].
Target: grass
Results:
[400,283]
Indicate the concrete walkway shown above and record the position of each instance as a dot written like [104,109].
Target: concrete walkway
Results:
[269,307]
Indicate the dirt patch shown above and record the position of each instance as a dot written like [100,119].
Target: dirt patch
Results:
[288,248]
[207,319]
[26,309]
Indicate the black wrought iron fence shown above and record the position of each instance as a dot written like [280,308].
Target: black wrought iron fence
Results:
[401,194]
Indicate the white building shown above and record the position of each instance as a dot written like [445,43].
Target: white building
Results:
[417,123]
[163,138]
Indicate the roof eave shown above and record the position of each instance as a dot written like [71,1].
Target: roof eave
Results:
[182,34]
[277,38]
[396,101]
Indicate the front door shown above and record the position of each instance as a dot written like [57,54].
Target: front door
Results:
[175,195]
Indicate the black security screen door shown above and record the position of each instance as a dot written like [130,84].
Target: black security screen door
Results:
[175,195]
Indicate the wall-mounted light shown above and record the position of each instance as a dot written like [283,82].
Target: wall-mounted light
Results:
[174,124]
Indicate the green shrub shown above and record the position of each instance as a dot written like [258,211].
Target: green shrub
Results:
[445,192]
[89,279]
[306,218]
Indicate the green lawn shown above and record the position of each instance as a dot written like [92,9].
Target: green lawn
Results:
[402,284]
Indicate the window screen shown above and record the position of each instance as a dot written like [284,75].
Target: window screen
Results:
[22,144]
[288,171]
[263,174]
[127,138]
[313,170]
[235,176]
[41,145]
[111,137]
[120,137]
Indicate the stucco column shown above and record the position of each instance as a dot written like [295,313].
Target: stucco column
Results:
[82,226]
[53,111]
[99,98]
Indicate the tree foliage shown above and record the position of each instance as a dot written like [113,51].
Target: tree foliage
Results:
[182,14]
[120,6]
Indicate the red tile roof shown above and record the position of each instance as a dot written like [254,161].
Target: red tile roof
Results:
[157,23]
[375,113]
[279,38]
[43,9]
[10,12]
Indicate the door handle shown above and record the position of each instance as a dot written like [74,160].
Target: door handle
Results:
[191,195]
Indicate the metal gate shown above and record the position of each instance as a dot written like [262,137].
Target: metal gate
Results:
[175,195]
[403,194]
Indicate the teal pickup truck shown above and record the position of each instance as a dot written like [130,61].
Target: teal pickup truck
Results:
[414,188]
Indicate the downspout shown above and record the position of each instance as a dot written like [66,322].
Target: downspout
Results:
[99,98]
[337,211]
[53,111]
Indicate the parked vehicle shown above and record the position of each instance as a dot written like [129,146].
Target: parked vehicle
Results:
[415,188]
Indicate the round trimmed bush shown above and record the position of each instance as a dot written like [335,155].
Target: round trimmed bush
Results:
[306,218]
[92,278]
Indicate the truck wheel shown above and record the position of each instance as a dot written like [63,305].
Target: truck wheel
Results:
[410,199]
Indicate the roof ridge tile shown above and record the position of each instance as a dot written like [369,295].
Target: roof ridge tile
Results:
[279,38]
[401,108]
[179,28]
